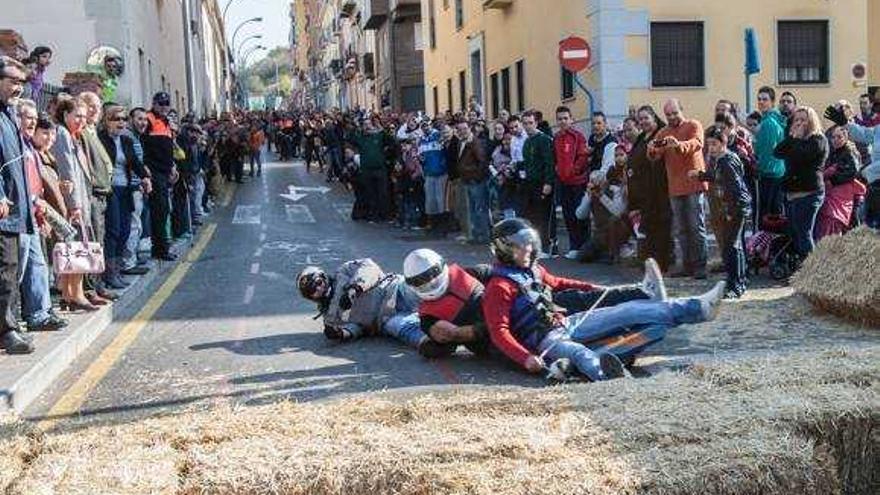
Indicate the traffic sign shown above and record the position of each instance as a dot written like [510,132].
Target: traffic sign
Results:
[574,54]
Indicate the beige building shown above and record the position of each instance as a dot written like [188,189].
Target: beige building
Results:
[148,34]
[644,51]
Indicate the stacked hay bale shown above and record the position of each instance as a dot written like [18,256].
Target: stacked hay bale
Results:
[805,423]
[840,276]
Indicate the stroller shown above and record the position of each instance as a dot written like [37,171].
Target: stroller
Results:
[772,247]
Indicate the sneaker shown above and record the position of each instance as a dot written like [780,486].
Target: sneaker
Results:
[14,342]
[710,302]
[433,350]
[559,370]
[610,367]
[574,254]
[653,284]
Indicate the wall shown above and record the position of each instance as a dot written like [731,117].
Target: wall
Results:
[873,43]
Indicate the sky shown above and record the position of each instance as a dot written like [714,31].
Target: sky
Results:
[275,27]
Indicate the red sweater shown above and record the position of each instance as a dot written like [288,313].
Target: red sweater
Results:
[570,148]
[498,301]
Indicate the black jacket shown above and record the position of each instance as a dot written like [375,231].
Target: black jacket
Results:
[804,163]
[846,160]
[727,176]
[133,165]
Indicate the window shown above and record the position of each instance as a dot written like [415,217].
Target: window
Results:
[462,91]
[505,88]
[521,86]
[803,52]
[677,54]
[459,14]
[449,94]
[567,84]
[436,95]
[493,88]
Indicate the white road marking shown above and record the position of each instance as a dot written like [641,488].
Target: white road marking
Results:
[344,210]
[247,214]
[249,294]
[255,268]
[263,237]
[258,253]
[299,214]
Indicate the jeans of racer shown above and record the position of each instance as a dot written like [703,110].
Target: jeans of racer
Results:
[624,330]
[406,328]
[33,279]
[478,210]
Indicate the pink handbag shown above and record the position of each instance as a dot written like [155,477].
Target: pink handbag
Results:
[78,257]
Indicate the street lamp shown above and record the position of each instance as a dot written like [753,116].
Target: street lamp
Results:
[250,52]
[226,9]
[237,29]
[244,42]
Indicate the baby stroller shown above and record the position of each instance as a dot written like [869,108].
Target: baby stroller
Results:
[772,247]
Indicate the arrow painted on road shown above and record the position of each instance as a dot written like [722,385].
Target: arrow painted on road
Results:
[319,190]
[293,196]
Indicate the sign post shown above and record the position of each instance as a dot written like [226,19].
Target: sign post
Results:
[575,55]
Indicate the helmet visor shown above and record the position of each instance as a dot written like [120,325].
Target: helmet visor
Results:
[523,238]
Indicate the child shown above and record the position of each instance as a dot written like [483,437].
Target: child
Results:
[409,183]
[608,198]
[726,176]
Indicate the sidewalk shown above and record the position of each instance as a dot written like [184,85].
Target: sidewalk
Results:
[23,378]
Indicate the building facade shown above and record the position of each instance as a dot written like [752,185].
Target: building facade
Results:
[149,35]
[398,62]
[504,52]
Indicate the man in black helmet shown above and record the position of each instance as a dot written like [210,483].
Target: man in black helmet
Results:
[360,300]
[528,327]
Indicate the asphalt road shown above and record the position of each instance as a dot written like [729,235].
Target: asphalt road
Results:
[235,330]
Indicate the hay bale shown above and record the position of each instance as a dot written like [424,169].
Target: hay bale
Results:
[840,276]
[804,423]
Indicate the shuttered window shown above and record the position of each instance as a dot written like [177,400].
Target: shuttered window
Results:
[803,52]
[677,54]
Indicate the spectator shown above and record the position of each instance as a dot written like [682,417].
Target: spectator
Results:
[570,150]
[597,145]
[609,205]
[73,170]
[841,186]
[139,224]
[770,168]
[126,164]
[435,169]
[540,174]
[787,106]
[410,184]
[648,193]
[473,171]
[16,217]
[36,303]
[256,140]
[159,159]
[373,175]
[680,145]
[42,58]
[726,175]
[805,151]
[505,177]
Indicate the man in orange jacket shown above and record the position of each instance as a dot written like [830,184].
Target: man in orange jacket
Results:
[680,145]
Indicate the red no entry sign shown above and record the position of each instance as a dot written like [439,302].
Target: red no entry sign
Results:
[574,54]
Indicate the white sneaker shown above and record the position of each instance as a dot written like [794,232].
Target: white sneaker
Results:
[573,254]
[711,301]
[653,284]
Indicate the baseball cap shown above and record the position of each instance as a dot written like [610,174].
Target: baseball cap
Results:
[162,98]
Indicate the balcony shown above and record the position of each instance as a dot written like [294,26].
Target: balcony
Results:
[375,12]
[497,4]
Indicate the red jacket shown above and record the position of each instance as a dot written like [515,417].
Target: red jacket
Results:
[498,301]
[570,148]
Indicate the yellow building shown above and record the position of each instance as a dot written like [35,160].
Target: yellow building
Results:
[644,51]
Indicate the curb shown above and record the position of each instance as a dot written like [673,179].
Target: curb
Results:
[69,344]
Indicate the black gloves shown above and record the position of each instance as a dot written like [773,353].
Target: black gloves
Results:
[349,293]
[836,115]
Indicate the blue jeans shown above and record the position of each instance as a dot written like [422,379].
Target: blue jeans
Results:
[120,204]
[578,230]
[478,210]
[801,220]
[689,219]
[406,328]
[33,279]
[624,330]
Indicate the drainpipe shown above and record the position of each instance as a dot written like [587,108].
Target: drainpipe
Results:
[395,92]
[188,56]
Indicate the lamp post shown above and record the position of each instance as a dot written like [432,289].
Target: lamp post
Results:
[246,73]
[244,23]
[244,42]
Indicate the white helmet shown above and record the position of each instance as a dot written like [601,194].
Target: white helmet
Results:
[426,272]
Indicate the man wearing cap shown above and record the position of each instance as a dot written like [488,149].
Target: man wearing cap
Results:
[159,158]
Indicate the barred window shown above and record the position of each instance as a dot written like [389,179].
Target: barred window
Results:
[677,54]
[803,52]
